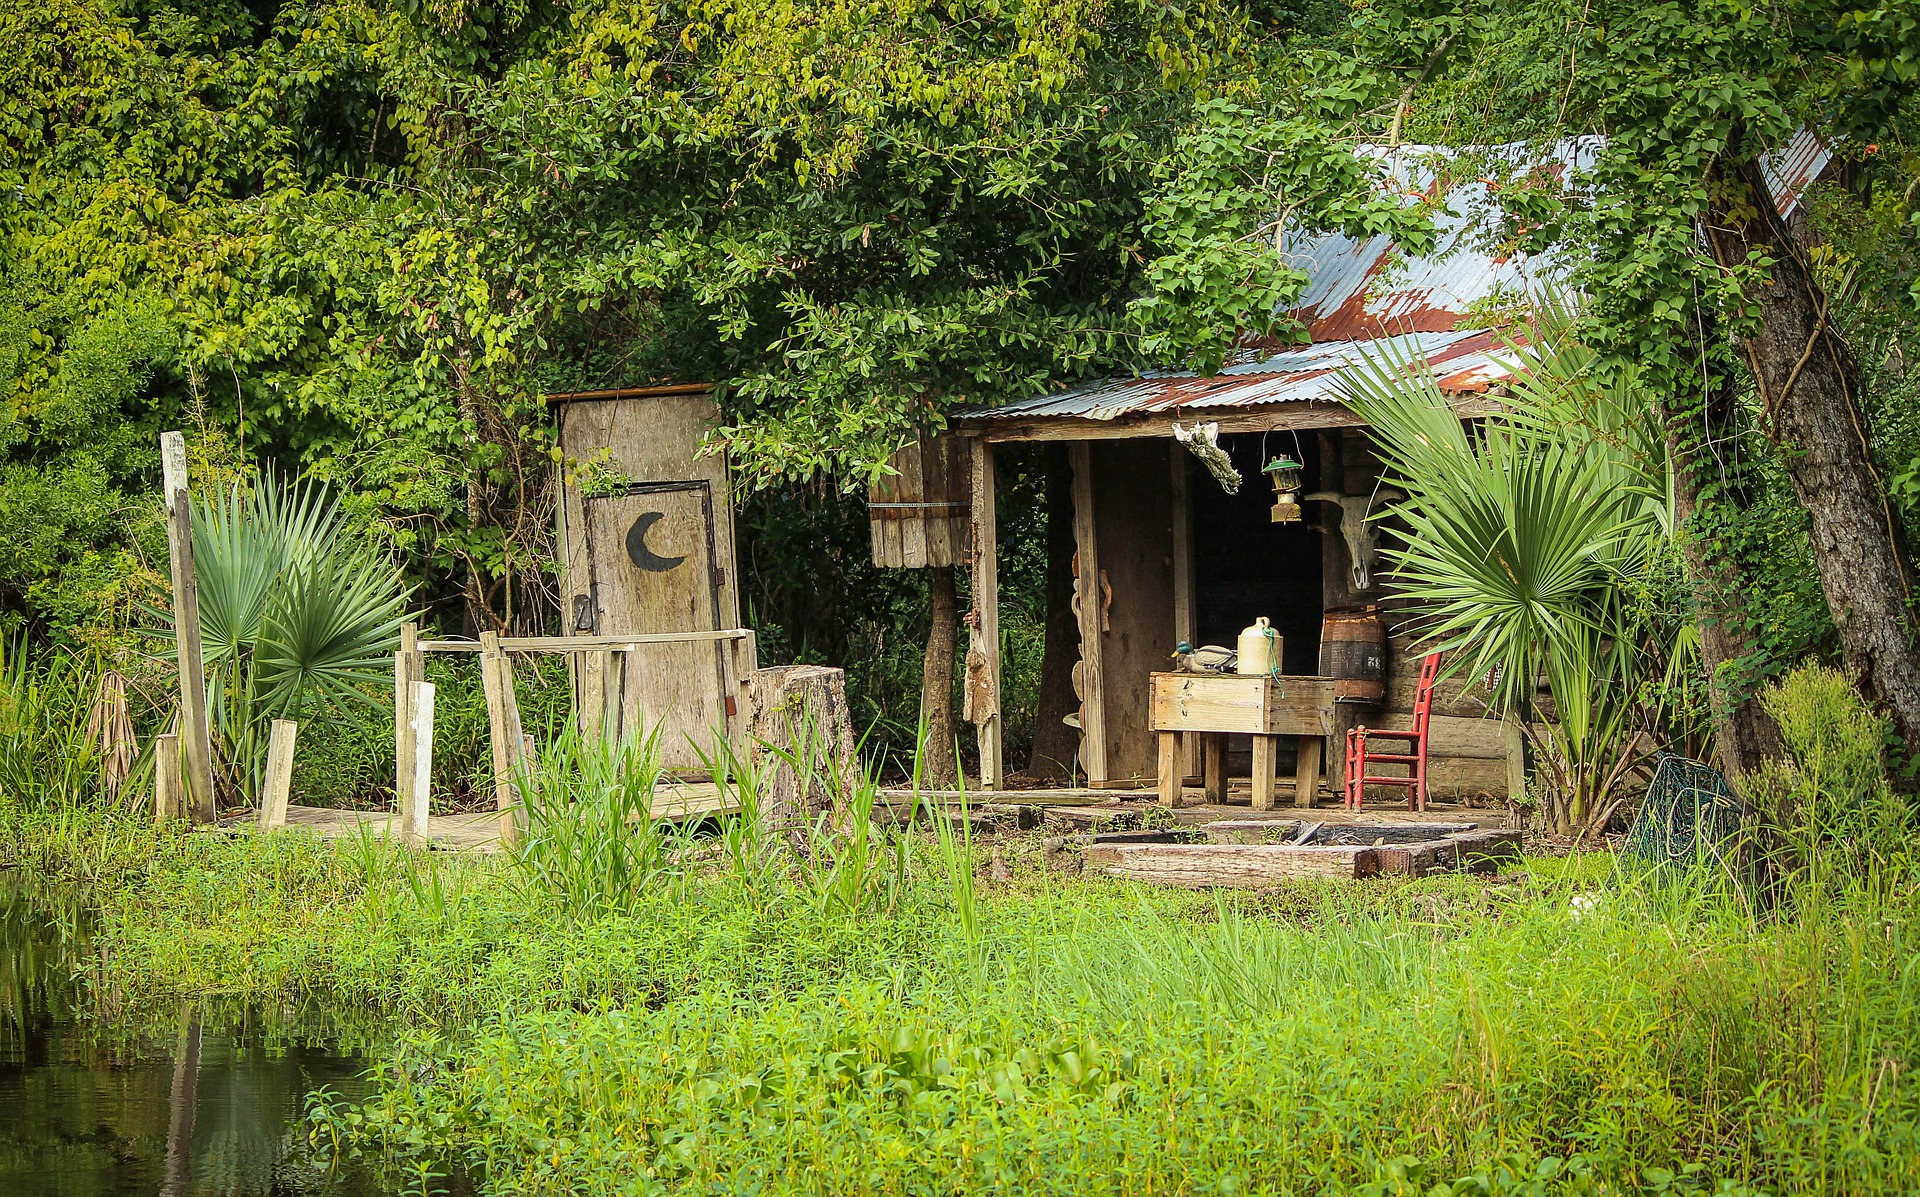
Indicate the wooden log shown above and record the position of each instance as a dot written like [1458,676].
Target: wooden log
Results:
[273,800]
[1465,849]
[196,749]
[1067,798]
[1206,866]
[414,817]
[168,802]
[1485,850]
[800,736]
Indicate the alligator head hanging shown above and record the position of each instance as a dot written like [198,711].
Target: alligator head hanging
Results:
[1358,529]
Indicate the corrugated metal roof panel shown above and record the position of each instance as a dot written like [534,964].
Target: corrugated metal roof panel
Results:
[1464,360]
[1362,294]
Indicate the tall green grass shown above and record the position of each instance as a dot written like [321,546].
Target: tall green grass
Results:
[46,753]
[843,1007]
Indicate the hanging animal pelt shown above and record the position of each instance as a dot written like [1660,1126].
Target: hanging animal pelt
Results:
[1204,441]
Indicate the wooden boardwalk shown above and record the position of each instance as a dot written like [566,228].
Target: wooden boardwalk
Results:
[479,831]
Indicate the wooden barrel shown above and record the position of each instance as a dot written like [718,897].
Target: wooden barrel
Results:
[1353,652]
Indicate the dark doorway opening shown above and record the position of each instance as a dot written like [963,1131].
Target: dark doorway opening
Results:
[1244,564]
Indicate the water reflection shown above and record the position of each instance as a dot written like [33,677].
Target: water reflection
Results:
[186,1103]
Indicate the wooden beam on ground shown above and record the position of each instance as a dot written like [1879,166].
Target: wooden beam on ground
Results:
[1206,866]
[273,799]
[983,633]
[168,802]
[196,749]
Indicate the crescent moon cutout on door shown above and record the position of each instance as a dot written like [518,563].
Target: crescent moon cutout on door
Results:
[642,556]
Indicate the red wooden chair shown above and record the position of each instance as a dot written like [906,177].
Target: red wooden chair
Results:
[1413,756]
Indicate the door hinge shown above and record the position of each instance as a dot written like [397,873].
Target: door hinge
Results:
[719,578]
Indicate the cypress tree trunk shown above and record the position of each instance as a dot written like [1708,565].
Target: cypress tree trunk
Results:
[1808,386]
[939,770]
[1054,743]
[1744,734]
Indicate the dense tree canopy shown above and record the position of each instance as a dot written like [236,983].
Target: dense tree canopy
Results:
[368,236]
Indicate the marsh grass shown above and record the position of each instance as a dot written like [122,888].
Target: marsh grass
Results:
[837,1009]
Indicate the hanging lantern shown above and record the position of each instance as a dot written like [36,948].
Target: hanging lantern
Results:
[1284,473]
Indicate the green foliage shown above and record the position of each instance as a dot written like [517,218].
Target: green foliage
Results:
[1523,538]
[1838,825]
[1086,1036]
[1231,188]
[47,755]
[299,616]
[590,837]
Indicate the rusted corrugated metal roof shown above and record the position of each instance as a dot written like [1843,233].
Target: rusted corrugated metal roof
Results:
[1365,294]
[1465,361]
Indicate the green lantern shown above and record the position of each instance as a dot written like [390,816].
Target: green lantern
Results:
[1284,473]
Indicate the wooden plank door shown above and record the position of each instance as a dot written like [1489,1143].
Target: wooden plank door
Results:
[651,549]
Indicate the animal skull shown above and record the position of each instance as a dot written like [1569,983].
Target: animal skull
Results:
[1358,529]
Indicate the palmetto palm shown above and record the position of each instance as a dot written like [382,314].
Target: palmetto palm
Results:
[1522,533]
[298,617]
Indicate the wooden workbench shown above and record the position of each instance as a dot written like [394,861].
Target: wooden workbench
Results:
[1216,705]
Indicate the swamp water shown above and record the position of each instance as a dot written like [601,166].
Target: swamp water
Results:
[183,1103]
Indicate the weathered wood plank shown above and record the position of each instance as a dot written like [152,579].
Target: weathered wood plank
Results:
[196,750]
[983,634]
[415,815]
[1265,761]
[1093,691]
[503,738]
[1224,702]
[168,802]
[279,782]
[575,644]
[1205,866]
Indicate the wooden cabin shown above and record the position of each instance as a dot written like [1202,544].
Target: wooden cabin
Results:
[1164,554]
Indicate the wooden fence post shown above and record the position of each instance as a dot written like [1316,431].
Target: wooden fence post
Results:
[409,666]
[613,693]
[418,806]
[167,802]
[273,801]
[195,750]
[503,730]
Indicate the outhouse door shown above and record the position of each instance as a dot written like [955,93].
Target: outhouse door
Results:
[651,549]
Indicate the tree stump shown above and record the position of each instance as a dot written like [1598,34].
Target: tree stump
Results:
[797,716]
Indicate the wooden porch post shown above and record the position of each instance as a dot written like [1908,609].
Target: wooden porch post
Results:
[983,655]
[1093,714]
